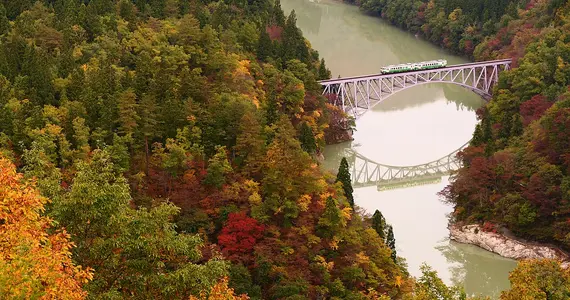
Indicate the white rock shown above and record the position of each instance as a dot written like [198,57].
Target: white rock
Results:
[504,246]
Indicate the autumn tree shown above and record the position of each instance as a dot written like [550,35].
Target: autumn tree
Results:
[430,286]
[289,173]
[250,145]
[116,239]
[33,263]
[220,291]
[239,236]
[538,279]
[343,176]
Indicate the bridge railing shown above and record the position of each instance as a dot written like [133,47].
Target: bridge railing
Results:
[356,95]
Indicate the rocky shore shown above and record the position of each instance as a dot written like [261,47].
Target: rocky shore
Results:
[504,245]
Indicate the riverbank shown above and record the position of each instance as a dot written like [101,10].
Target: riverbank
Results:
[505,245]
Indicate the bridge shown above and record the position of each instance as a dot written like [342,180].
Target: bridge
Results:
[366,172]
[356,95]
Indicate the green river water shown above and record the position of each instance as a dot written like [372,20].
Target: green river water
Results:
[415,126]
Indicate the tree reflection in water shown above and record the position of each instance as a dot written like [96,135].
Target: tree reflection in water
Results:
[477,270]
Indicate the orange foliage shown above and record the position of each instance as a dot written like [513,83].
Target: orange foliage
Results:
[220,291]
[33,264]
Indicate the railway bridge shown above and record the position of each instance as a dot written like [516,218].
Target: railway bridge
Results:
[356,95]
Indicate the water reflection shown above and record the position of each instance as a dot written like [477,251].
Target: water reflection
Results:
[477,270]
[367,172]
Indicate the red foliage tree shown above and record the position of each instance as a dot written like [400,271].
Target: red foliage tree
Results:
[534,108]
[239,236]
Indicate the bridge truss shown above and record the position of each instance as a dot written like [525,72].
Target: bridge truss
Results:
[356,95]
[366,172]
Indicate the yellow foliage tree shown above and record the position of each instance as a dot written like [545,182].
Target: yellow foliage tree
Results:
[537,280]
[220,291]
[33,263]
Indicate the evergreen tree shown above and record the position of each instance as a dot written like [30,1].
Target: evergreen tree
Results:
[294,45]
[391,242]
[307,139]
[477,136]
[147,110]
[218,167]
[265,46]
[324,73]
[278,15]
[272,109]
[331,218]
[516,125]
[379,224]
[4,23]
[344,177]
[128,117]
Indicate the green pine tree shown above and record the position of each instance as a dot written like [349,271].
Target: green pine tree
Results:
[477,136]
[265,46]
[344,177]
[218,167]
[391,242]
[278,15]
[272,109]
[4,23]
[516,125]
[324,73]
[307,139]
[379,224]
[331,218]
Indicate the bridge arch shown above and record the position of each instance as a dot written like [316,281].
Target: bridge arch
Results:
[357,95]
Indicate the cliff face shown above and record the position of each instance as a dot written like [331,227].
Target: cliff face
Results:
[503,245]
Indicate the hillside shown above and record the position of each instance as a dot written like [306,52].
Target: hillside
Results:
[155,149]
[175,141]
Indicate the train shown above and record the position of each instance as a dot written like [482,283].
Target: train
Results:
[424,65]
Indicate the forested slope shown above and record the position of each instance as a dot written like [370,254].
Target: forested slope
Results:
[479,29]
[175,141]
[517,166]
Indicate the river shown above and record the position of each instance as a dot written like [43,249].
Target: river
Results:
[412,127]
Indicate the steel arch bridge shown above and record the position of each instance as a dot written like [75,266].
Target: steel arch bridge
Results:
[366,172]
[356,95]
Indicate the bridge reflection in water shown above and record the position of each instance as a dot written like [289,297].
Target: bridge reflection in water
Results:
[366,172]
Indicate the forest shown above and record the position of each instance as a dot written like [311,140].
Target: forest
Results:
[155,149]
[166,149]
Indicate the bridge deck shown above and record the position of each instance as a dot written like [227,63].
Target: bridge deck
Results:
[452,67]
